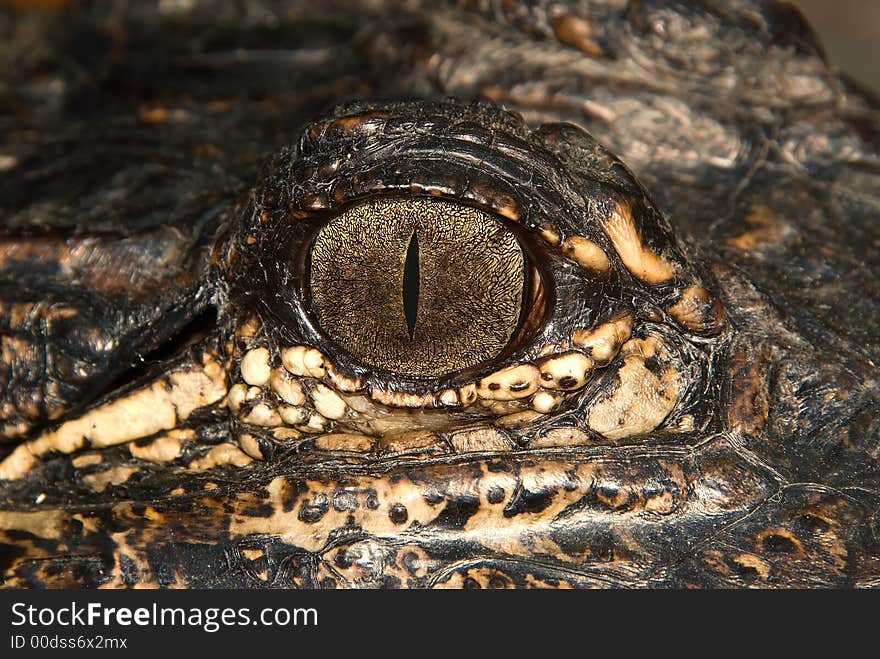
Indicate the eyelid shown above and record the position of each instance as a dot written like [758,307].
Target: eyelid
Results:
[585,224]
[343,160]
[448,157]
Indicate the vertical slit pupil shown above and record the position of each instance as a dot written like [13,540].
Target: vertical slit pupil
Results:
[411,285]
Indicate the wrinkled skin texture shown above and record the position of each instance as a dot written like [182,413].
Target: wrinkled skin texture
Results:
[126,171]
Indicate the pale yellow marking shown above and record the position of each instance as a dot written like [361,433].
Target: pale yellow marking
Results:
[567,371]
[13,349]
[483,577]
[250,446]
[236,396]
[449,397]
[642,400]
[93,524]
[363,405]
[164,448]
[351,442]
[285,434]
[252,554]
[99,481]
[11,431]
[418,563]
[366,562]
[159,114]
[87,460]
[468,440]
[782,532]
[369,499]
[545,402]
[374,418]
[716,561]
[550,236]
[328,403]
[153,515]
[222,454]
[312,201]
[468,394]
[344,383]
[639,260]
[510,383]
[685,423]
[507,208]
[532,582]
[255,368]
[20,312]
[304,361]
[350,124]
[604,342]
[7,162]
[262,415]
[192,390]
[548,349]
[613,494]
[401,398]
[313,537]
[586,253]
[292,415]
[488,524]
[47,524]
[137,569]
[697,309]
[139,414]
[316,423]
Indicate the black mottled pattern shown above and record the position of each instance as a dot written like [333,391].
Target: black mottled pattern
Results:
[136,164]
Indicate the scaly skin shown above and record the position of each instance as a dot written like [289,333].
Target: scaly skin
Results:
[163,377]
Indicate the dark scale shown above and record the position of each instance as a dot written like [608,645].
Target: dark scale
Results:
[495,495]
[398,513]
[596,305]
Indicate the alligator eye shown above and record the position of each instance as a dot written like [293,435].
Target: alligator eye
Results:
[425,277]
[418,286]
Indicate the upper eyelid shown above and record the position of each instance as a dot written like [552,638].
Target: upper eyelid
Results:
[502,166]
